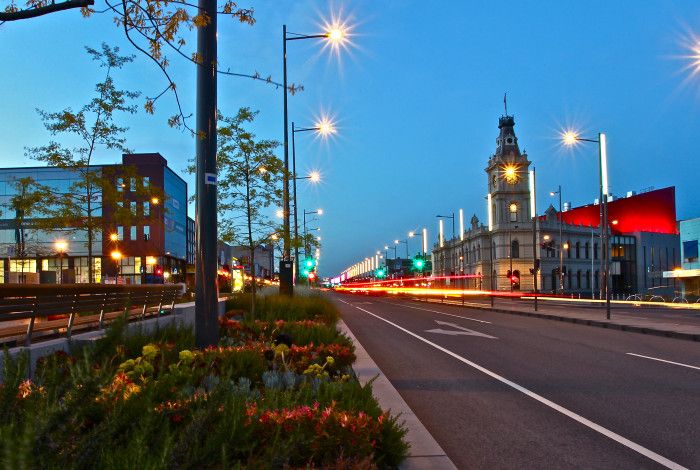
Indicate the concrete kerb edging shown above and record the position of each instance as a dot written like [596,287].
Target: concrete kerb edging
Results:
[584,321]
[425,452]
[183,314]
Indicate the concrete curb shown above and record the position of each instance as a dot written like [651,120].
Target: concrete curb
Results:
[584,321]
[425,452]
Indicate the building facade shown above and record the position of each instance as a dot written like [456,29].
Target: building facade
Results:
[688,274]
[152,248]
[500,254]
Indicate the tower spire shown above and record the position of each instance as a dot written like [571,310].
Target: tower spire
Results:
[505,102]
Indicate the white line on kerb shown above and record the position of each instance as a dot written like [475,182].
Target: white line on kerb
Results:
[576,417]
[442,313]
[664,360]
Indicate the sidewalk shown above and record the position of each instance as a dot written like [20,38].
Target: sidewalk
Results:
[671,323]
[425,452]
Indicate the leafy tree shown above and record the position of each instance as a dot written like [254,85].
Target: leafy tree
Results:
[80,207]
[154,28]
[250,182]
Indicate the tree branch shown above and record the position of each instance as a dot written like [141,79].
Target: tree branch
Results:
[44,10]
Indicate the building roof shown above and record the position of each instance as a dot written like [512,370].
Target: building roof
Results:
[653,211]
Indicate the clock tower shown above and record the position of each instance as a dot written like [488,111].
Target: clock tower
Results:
[508,186]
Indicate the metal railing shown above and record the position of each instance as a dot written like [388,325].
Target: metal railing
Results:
[27,314]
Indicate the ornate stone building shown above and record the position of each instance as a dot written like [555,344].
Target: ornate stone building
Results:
[500,252]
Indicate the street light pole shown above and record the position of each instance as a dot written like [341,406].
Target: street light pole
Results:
[296,223]
[571,138]
[206,295]
[533,210]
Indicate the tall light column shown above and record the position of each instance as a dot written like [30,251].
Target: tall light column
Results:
[461,225]
[425,241]
[206,296]
[441,236]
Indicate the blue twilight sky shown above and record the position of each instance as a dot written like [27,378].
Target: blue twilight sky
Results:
[417,100]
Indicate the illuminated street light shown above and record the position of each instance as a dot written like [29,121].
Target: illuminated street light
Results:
[155,201]
[114,237]
[116,255]
[151,260]
[323,128]
[570,137]
[336,34]
[61,247]
[546,237]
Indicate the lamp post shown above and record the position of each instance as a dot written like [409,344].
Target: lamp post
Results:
[449,217]
[570,138]
[61,247]
[117,257]
[561,241]
[318,212]
[533,213]
[404,242]
[336,35]
[324,128]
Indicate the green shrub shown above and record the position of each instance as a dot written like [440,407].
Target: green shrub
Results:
[277,307]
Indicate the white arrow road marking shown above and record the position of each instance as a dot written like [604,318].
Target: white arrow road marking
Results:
[660,459]
[459,331]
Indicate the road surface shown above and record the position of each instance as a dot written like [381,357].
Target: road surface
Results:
[504,391]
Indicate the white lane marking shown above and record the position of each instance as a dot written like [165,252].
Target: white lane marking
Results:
[459,331]
[660,459]
[437,311]
[664,360]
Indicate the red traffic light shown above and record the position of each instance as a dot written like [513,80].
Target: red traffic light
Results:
[158,271]
[312,276]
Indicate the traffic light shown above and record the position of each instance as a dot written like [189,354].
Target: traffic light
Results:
[309,263]
[158,270]
[312,276]
[380,273]
[509,274]
[418,263]
[515,281]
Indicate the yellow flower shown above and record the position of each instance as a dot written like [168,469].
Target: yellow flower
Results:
[149,351]
[281,349]
[186,356]
[330,361]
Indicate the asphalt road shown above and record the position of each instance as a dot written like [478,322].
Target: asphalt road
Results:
[504,391]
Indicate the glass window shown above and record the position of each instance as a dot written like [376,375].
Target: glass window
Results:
[120,232]
[132,184]
[146,209]
[133,234]
[515,249]
[146,182]
[146,232]
[595,253]
[120,184]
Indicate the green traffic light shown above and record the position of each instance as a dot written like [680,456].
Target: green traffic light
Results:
[380,273]
[418,263]
[309,263]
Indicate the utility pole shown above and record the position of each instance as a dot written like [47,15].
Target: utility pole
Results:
[206,295]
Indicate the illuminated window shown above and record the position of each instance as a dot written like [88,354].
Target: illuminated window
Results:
[132,233]
[513,210]
[146,232]
[120,232]
[146,209]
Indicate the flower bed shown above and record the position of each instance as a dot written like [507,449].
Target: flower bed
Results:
[271,395]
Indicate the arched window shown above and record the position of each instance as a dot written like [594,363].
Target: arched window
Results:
[586,254]
[567,247]
[568,273]
[595,255]
[588,279]
[578,250]
[578,279]
[515,249]
[478,252]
